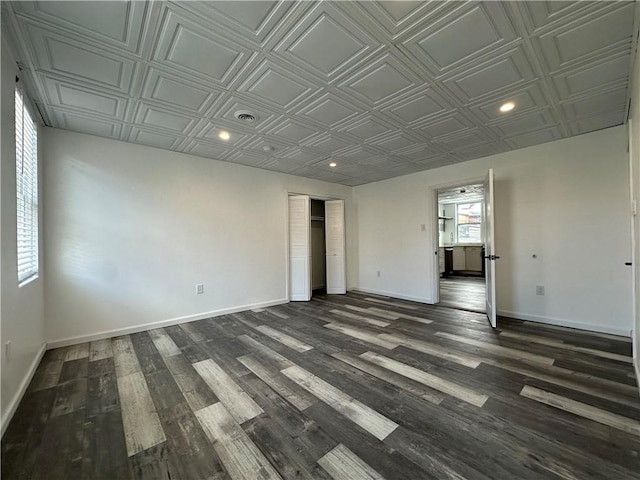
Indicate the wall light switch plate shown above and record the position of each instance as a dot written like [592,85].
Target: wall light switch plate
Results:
[199,288]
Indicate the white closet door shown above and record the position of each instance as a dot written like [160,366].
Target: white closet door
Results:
[334,239]
[300,248]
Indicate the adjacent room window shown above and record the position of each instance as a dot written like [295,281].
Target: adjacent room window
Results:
[469,222]
[26,190]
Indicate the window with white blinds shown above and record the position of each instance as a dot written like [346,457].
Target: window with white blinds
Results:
[26,190]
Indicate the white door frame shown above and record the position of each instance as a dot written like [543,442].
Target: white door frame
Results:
[432,218]
[312,196]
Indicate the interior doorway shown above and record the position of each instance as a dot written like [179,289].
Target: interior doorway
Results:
[317,257]
[461,249]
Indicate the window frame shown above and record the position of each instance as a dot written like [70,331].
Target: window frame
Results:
[457,224]
[27,190]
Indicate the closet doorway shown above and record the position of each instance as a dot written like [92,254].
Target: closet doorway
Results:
[317,259]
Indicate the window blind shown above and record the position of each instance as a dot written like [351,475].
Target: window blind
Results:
[26,189]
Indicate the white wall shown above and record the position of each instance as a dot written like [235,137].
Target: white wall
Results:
[130,230]
[567,201]
[21,309]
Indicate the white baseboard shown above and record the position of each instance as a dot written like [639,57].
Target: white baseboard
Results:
[394,295]
[65,342]
[15,401]
[565,323]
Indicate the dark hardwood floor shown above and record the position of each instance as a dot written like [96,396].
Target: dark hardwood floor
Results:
[467,293]
[346,387]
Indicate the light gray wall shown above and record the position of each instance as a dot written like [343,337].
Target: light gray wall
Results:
[21,309]
[132,229]
[566,201]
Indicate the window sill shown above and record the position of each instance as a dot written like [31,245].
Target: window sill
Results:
[28,280]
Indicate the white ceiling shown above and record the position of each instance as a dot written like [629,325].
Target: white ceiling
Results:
[382,88]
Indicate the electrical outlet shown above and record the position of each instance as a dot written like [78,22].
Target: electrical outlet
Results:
[199,288]
[423,227]
[378,272]
[539,289]
[7,350]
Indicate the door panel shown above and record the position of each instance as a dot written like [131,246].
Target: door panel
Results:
[489,246]
[299,248]
[335,245]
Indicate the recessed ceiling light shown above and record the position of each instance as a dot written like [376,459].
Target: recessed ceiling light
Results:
[507,107]
[224,135]
[333,164]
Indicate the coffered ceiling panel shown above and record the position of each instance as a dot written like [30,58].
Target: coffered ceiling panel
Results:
[117,24]
[187,46]
[250,19]
[462,35]
[273,84]
[326,42]
[154,139]
[600,32]
[80,61]
[329,111]
[382,80]
[418,108]
[173,91]
[85,100]
[378,88]
[81,123]
[593,76]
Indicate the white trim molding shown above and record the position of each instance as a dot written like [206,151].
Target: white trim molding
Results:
[561,322]
[65,342]
[15,401]
[394,295]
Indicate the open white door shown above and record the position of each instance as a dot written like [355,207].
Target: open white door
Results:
[489,248]
[334,240]
[300,248]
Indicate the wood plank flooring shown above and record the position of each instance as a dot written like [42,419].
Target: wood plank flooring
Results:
[467,293]
[347,387]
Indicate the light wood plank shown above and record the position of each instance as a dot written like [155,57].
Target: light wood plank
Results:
[380,311]
[373,422]
[499,349]
[342,464]
[124,356]
[552,342]
[607,388]
[193,332]
[76,352]
[590,412]
[196,392]
[390,377]
[384,302]
[432,349]
[164,343]
[142,427]
[300,400]
[360,334]
[376,312]
[239,455]
[283,338]
[100,349]
[440,384]
[265,351]
[239,404]
[360,318]
[278,314]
